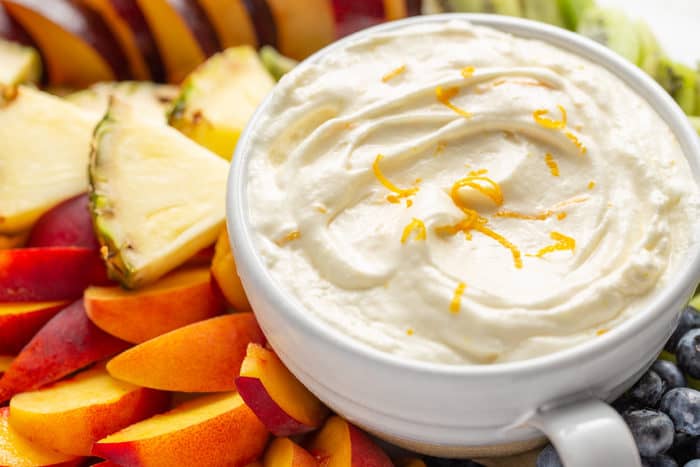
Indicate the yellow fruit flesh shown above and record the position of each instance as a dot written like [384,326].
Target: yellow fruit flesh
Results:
[18,63]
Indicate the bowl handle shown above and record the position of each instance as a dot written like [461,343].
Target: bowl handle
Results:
[588,433]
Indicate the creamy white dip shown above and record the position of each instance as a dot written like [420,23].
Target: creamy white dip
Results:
[525,199]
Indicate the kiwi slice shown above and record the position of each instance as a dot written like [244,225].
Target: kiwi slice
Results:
[613,29]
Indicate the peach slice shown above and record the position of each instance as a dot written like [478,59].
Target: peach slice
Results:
[300,33]
[48,274]
[17,451]
[279,400]
[217,430]
[68,224]
[10,241]
[410,462]
[340,444]
[5,362]
[225,274]
[283,452]
[179,49]
[180,298]
[68,342]
[230,20]
[71,415]
[19,322]
[201,357]
[77,48]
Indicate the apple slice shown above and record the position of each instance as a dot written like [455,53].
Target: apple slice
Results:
[219,97]
[17,451]
[66,225]
[305,26]
[179,48]
[217,430]
[157,198]
[279,400]
[283,452]
[71,415]
[18,63]
[77,47]
[231,22]
[48,274]
[180,298]
[340,444]
[19,322]
[225,274]
[153,100]
[53,135]
[176,362]
[67,343]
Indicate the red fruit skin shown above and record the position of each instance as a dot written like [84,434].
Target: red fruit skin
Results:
[48,274]
[10,30]
[276,420]
[351,15]
[361,445]
[67,224]
[67,343]
[198,23]
[130,12]
[263,21]
[17,330]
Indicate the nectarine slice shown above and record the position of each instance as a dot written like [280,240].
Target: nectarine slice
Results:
[279,400]
[8,242]
[10,30]
[340,444]
[5,362]
[180,298]
[201,357]
[218,430]
[19,322]
[78,49]
[66,224]
[43,274]
[17,451]
[303,26]
[68,342]
[71,415]
[283,452]
[410,462]
[225,274]
[231,22]
[179,48]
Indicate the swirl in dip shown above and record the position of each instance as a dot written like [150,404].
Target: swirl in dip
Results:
[454,194]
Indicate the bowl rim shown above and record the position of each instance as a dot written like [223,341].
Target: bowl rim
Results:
[250,262]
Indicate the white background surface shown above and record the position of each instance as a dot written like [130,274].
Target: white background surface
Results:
[675,22]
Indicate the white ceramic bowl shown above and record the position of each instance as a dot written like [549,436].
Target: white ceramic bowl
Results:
[475,410]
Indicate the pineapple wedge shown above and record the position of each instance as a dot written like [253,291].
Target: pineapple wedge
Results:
[219,97]
[18,63]
[153,100]
[44,148]
[156,197]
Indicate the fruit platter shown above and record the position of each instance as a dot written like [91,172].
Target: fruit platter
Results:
[126,336]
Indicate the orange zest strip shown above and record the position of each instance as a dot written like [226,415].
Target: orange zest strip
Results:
[528,217]
[418,226]
[394,73]
[457,297]
[399,192]
[410,331]
[574,139]
[467,71]
[291,236]
[444,96]
[561,216]
[600,332]
[440,148]
[483,185]
[539,116]
[563,243]
[552,164]
[591,185]
[514,251]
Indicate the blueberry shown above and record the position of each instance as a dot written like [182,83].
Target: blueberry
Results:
[625,404]
[652,431]
[669,372]
[693,463]
[439,462]
[688,353]
[690,319]
[549,458]
[683,406]
[685,447]
[648,390]
[659,461]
